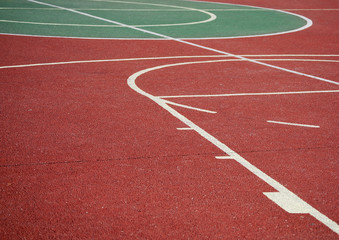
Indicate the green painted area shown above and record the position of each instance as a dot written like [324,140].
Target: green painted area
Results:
[175,18]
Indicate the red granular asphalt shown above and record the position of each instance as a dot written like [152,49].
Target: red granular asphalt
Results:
[83,156]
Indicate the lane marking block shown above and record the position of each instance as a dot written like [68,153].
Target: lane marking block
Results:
[289,203]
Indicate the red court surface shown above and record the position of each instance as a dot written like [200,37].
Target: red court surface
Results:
[84,156]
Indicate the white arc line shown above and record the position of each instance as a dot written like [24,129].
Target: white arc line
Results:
[229,152]
[293,124]
[212,16]
[131,82]
[309,23]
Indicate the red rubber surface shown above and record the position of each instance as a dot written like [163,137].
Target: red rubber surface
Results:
[83,156]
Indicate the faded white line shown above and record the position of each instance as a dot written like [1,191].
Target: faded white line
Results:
[293,124]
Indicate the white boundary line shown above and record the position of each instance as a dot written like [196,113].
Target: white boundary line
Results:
[299,205]
[190,43]
[160,10]
[273,183]
[293,124]
[249,94]
[307,25]
[181,57]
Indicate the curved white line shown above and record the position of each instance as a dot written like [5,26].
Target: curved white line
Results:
[281,190]
[308,24]
[212,17]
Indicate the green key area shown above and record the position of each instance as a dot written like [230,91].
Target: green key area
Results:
[175,18]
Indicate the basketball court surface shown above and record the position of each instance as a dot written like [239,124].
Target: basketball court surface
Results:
[169,119]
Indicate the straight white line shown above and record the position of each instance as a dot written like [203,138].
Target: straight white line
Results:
[224,157]
[167,10]
[309,23]
[249,94]
[294,124]
[179,57]
[107,60]
[131,82]
[184,129]
[189,107]
[253,169]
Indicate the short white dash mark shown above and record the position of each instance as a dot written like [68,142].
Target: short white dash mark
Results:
[184,129]
[294,124]
[224,157]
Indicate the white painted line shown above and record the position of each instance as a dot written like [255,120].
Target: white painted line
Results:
[211,18]
[309,23]
[184,129]
[176,57]
[250,94]
[288,203]
[167,10]
[294,124]
[224,157]
[189,107]
[229,152]
[131,82]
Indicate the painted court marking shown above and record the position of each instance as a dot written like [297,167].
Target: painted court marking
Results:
[293,124]
[283,191]
[180,57]
[164,10]
[299,205]
[224,157]
[309,23]
[249,94]
[189,107]
[212,17]
[185,129]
